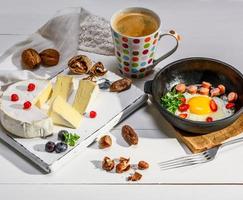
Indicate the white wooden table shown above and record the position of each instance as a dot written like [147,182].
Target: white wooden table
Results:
[208,28]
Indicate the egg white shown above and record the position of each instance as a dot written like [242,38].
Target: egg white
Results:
[222,111]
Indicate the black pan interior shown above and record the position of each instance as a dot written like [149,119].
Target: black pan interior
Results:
[196,70]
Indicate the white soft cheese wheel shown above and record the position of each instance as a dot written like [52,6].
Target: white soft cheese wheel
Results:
[26,123]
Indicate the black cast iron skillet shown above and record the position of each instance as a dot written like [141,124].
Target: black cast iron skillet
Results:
[193,71]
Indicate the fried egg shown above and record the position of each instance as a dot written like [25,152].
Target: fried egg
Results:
[199,107]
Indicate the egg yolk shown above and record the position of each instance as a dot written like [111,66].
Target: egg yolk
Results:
[199,105]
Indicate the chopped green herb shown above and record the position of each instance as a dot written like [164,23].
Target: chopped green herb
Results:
[71,139]
[171,101]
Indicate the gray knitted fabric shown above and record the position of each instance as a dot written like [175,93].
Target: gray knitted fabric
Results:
[95,34]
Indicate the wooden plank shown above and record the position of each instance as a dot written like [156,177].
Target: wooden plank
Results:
[110,192]
[201,143]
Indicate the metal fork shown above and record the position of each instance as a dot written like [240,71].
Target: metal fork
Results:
[198,158]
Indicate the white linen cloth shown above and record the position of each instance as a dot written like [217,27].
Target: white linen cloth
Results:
[72,29]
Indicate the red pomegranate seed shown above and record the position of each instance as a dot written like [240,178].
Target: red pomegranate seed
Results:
[92,114]
[213,105]
[27,105]
[183,107]
[230,105]
[31,87]
[14,97]
[209,119]
[183,115]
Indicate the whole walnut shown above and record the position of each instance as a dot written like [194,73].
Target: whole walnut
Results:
[30,58]
[49,57]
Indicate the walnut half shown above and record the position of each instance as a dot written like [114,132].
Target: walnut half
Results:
[80,64]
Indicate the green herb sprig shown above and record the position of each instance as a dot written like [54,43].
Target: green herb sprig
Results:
[171,101]
[71,138]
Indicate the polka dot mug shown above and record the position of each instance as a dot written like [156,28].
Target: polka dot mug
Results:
[135,55]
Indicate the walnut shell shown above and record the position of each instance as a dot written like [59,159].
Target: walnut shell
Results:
[135,177]
[80,64]
[49,57]
[98,69]
[108,164]
[123,165]
[121,85]
[30,58]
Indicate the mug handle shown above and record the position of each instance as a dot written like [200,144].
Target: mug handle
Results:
[176,37]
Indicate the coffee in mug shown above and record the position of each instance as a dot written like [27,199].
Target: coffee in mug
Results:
[136,32]
[135,24]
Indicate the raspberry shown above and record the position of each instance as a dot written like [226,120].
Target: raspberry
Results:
[14,97]
[31,87]
[92,114]
[27,105]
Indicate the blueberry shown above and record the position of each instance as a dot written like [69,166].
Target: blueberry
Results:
[61,147]
[50,146]
[61,135]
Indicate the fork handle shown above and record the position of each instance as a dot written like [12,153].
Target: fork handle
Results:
[232,141]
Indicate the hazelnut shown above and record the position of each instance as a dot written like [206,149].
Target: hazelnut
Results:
[143,165]
[135,177]
[108,164]
[30,58]
[49,57]
[105,141]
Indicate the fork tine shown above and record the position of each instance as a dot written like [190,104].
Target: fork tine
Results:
[191,160]
[185,164]
[199,155]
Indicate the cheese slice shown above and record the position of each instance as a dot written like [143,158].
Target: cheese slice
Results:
[26,123]
[64,114]
[44,96]
[62,87]
[86,93]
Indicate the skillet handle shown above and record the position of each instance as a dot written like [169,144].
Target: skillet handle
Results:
[148,87]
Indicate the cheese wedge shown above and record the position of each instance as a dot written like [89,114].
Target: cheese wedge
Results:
[64,114]
[44,96]
[86,93]
[62,87]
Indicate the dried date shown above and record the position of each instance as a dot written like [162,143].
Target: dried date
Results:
[121,85]
[129,135]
